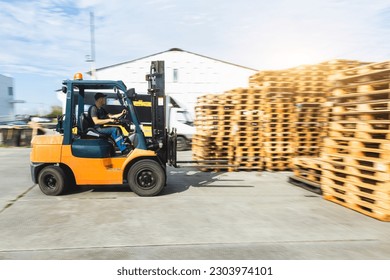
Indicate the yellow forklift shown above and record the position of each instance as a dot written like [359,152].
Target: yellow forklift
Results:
[80,155]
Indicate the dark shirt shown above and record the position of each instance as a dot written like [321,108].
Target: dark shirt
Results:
[99,113]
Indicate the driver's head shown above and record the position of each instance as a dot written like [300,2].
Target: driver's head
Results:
[100,98]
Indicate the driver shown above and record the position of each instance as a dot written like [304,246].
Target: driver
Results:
[100,117]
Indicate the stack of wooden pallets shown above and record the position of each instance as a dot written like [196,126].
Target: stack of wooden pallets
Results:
[278,110]
[247,135]
[356,154]
[212,141]
[307,173]
[311,88]
[276,102]
[281,115]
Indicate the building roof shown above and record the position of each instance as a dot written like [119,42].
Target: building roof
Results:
[176,50]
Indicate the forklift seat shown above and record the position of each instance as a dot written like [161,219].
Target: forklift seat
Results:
[87,127]
[92,143]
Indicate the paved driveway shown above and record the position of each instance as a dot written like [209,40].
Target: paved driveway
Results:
[200,215]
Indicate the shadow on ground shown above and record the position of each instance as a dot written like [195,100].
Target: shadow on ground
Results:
[178,180]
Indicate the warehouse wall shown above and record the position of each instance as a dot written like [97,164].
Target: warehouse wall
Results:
[187,75]
[6,96]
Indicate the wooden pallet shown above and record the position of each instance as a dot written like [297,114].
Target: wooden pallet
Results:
[308,140]
[308,174]
[358,171]
[305,162]
[305,81]
[376,106]
[302,112]
[310,99]
[277,166]
[373,135]
[309,118]
[380,144]
[373,116]
[360,93]
[276,143]
[277,92]
[362,153]
[370,126]
[349,142]
[360,206]
[279,111]
[360,185]
[308,168]
[321,89]
[306,153]
[273,99]
[369,164]
[373,70]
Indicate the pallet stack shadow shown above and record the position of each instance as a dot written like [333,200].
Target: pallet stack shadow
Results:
[277,104]
[356,154]
[211,143]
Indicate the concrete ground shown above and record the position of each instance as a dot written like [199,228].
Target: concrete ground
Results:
[200,215]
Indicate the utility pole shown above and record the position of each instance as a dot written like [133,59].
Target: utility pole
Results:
[91,58]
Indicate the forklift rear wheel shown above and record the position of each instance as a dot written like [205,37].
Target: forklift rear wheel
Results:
[146,178]
[52,180]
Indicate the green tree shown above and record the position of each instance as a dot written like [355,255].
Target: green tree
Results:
[55,111]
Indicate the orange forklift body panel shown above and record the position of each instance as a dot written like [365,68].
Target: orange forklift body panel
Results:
[87,171]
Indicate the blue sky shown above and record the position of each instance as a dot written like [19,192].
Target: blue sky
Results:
[45,42]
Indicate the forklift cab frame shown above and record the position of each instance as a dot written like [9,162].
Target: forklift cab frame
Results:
[76,91]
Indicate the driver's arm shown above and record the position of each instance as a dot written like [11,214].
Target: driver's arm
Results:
[97,121]
[117,115]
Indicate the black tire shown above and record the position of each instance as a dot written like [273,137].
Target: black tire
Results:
[181,143]
[146,178]
[51,180]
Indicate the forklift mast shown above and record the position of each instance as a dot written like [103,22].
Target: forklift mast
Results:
[156,89]
[163,141]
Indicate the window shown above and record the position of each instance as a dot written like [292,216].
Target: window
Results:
[184,117]
[10,91]
[175,75]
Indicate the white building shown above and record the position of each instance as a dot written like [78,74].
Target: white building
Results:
[187,75]
[6,97]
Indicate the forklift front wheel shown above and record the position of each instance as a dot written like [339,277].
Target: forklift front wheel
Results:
[52,180]
[146,178]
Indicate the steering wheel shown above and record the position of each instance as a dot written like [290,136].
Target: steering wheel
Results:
[124,121]
[124,116]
